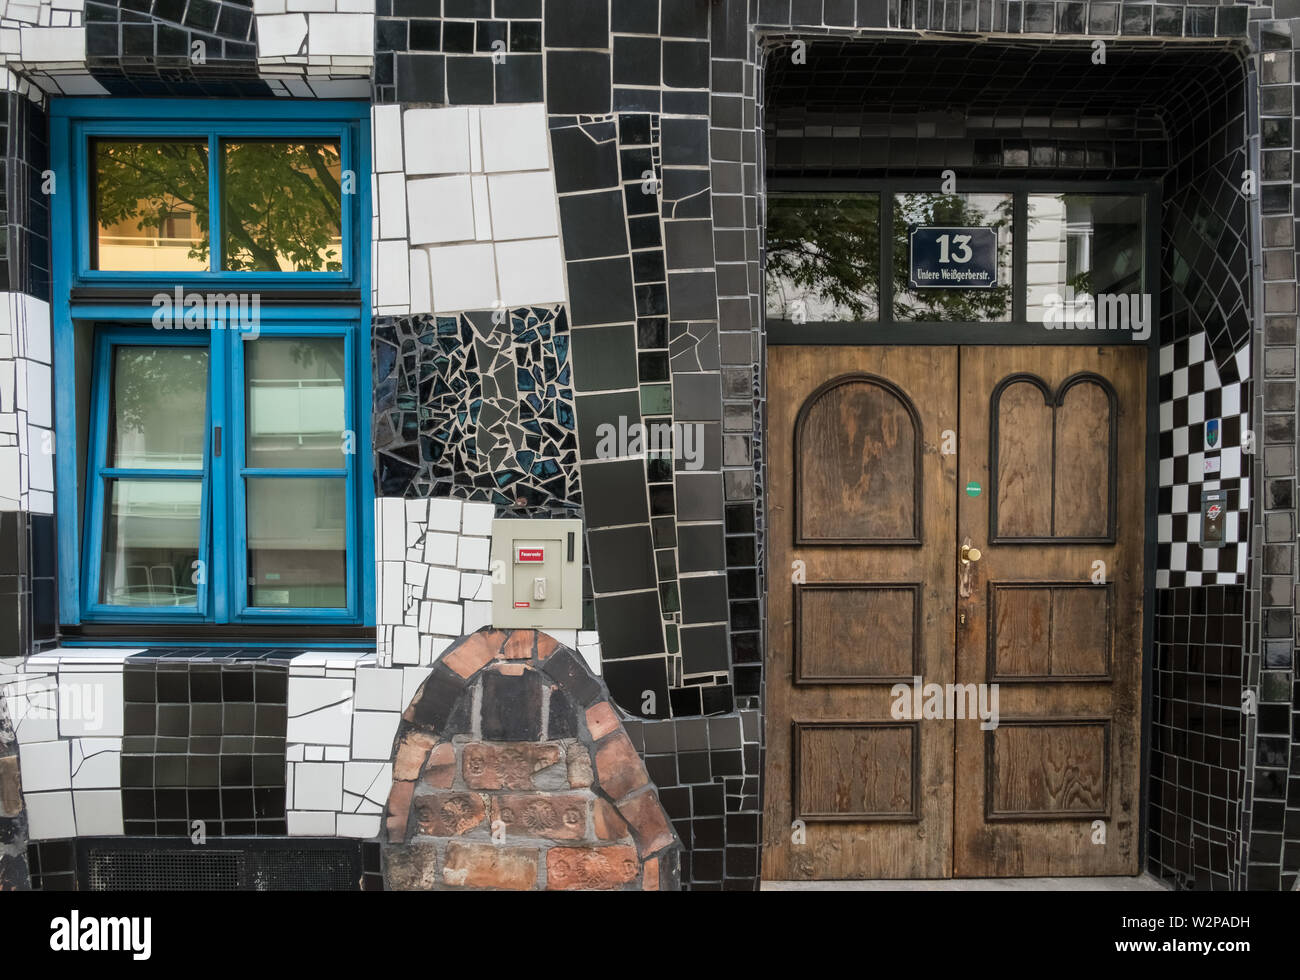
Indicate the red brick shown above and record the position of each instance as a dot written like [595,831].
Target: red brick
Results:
[411,753]
[590,868]
[443,814]
[520,645]
[440,770]
[411,867]
[508,765]
[399,809]
[546,645]
[650,876]
[606,821]
[561,816]
[618,766]
[601,720]
[649,825]
[579,763]
[490,866]
[478,650]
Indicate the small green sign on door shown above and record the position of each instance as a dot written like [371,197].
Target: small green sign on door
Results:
[973,489]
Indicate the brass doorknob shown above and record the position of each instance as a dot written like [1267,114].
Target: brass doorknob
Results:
[969,554]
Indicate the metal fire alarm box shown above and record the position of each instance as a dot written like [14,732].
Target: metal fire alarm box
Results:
[537,574]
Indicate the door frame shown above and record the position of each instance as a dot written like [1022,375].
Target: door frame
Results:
[1014,333]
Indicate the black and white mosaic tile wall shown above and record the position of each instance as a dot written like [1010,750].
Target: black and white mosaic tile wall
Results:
[568,225]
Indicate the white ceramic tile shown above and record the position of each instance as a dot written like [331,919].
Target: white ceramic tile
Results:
[515,138]
[361,826]
[378,689]
[90,703]
[341,34]
[406,645]
[473,554]
[387,137]
[50,815]
[53,44]
[39,399]
[392,205]
[464,277]
[421,288]
[96,763]
[441,210]
[317,824]
[412,678]
[443,618]
[318,785]
[477,615]
[440,548]
[478,518]
[45,765]
[474,585]
[482,208]
[436,140]
[393,275]
[531,272]
[98,812]
[279,35]
[444,514]
[443,584]
[523,205]
[373,731]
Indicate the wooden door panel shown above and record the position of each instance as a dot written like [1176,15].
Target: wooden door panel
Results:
[1056,436]
[867,503]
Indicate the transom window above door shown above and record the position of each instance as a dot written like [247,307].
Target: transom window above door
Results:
[210,308]
[849,253]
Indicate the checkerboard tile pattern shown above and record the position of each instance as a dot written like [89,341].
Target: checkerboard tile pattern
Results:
[1192,391]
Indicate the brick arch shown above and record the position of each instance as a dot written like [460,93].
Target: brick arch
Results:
[512,769]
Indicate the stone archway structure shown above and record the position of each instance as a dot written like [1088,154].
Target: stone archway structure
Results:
[512,770]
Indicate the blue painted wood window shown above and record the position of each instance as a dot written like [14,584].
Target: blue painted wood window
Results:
[211,323]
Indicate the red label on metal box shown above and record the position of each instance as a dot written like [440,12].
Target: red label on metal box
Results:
[530,555]
[523,605]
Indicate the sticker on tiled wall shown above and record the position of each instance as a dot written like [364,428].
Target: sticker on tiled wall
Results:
[1205,445]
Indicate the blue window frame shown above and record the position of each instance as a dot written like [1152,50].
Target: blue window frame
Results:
[243,502]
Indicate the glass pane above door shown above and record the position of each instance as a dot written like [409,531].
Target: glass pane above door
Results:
[926,305]
[1081,245]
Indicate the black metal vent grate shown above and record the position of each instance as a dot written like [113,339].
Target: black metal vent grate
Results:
[212,869]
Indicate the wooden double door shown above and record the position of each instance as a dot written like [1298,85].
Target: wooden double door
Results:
[955,586]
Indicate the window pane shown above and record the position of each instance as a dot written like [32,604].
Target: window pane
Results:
[297,554]
[151,205]
[282,206]
[823,257]
[1081,245]
[972,305]
[159,416]
[295,406]
[151,542]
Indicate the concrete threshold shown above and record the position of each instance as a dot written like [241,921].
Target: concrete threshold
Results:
[1137,883]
